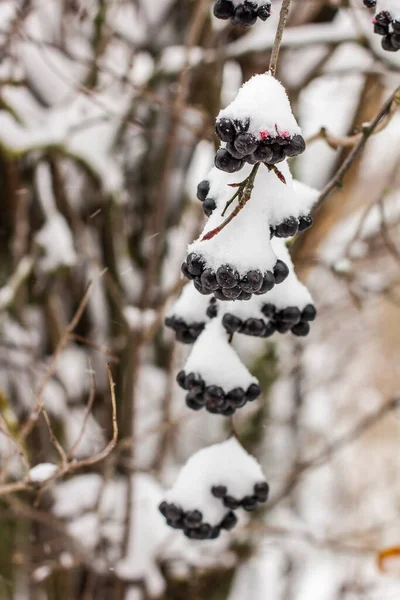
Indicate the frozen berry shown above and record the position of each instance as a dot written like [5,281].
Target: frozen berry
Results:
[214,394]
[249,503]
[253,392]
[192,401]
[268,283]
[193,518]
[245,14]
[395,39]
[231,502]
[225,130]
[173,513]
[209,280]
[214,533]
[219,491]
[290,315]
[381,29]
[202,190]
[212,309]
[223,9]
[205,530]
[244,295]
[232,293]
[278,155]
[268,310]
[229,521]
[264,11]
[387,44]
[242,125]
[396,25]
[370,3]
[163,508]
[209,205]
[269,330]
[227,277]
[186,272]
[228,411]
[309,313]
[261,491]
[245,143]
[301,329]
[296,146]
[230,147]
[236,397]
[252,281]
[384,18]
[263,153]
[181,379]
[226,162]
[231,323]
[281,271]
[254,327]
[288,228]
[195,264]
[305,221]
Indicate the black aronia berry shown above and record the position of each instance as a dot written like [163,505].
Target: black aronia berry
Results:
[244,14]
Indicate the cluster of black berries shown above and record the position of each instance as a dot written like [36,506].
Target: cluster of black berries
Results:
[290,226]
[242,146]
[244,14]
[191,522]
[186,333]
[290,319]
[389,28]
[226,284]
[253,327]
[212,397]
[259,496]
[209,204]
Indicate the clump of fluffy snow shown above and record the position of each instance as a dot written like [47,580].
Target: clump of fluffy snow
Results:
[56,243]
[214,359]
[226,464]
[263,99]
[290,292]
[42,472]
[191,306]
[245,242]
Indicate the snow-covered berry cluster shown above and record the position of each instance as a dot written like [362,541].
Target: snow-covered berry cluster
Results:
[243,12]
[214,376]
[241,261]
[254,131]
[387,22]
[213,483]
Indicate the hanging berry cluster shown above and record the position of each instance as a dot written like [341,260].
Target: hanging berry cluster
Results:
[243,13]
[386,22]
[241,282]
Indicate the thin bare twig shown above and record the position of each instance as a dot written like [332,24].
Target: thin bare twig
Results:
[367,130]
[278,38]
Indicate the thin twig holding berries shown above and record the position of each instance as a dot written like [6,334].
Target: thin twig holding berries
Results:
[244,195]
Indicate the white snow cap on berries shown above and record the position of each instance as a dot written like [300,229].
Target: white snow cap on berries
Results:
[191,306]
[245,242]
[214,359]
[392,6]
[263,99]
[226,464]
[290,292]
